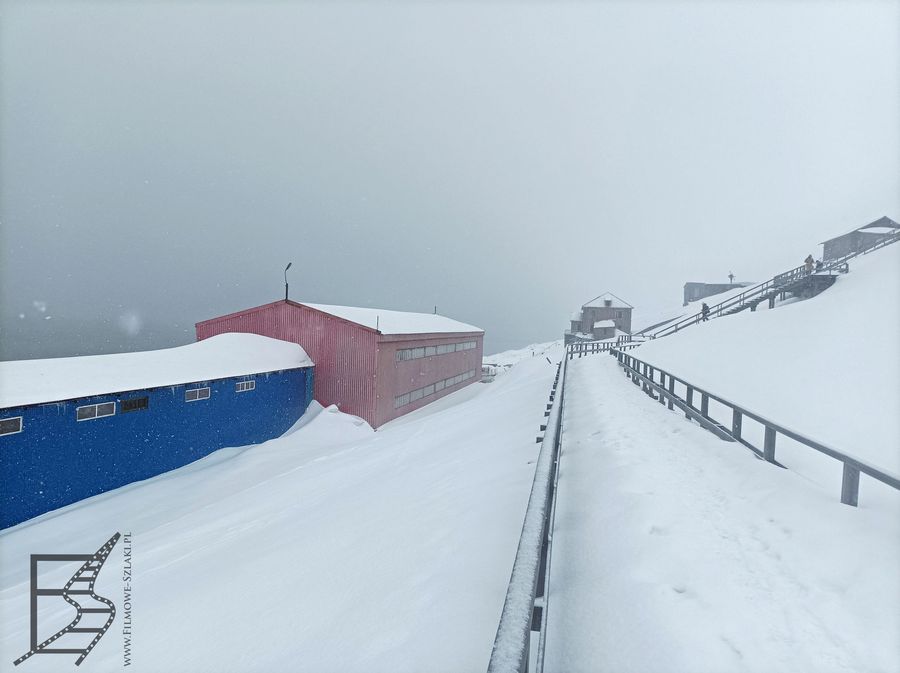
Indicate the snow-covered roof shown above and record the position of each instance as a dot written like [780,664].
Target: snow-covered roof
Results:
[883,225]
[25,382]
[604,323]
[880,230]
[598,301]
[395,322]
[576,316]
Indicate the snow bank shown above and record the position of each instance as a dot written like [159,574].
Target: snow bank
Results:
[35,381]
[512,357]
[395,322]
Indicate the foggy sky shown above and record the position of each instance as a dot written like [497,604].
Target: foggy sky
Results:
[160,163]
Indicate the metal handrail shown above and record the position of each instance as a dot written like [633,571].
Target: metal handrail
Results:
[777,281]
[581,348]
[526,592]
[639,370]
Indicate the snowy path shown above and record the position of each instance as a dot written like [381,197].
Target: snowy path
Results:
[675,551]
[333,548]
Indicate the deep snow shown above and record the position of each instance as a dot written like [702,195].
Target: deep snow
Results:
[334,548]
[827,367]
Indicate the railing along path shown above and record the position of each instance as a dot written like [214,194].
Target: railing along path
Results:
[664,389]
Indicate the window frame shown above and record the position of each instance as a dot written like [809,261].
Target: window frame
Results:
[96,407]
[198,397]
[21,420]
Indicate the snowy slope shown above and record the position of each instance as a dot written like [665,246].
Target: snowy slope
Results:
[333,548]
[827,367]
[512,357]
[644,317]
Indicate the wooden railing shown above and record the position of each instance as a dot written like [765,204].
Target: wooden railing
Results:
[773,284]
[582,348]
[665,387]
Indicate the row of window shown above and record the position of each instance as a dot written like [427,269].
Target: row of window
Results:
[13,425]
[195,394]
[429,351]
[431,389]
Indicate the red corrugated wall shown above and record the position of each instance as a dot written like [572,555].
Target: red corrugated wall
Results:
[396,378]
[343,352]
[356,367]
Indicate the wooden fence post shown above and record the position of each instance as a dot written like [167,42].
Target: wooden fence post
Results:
[736,418]
[704,405]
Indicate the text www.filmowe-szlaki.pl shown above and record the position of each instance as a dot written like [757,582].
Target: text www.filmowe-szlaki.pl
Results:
[126,602]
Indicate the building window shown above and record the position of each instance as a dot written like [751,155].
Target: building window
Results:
[244,386]
[92,411]
[404,354]
[135,404]
[432,388]
[10,426]
[195,394]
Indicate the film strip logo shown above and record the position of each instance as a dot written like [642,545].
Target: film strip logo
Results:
[76,591]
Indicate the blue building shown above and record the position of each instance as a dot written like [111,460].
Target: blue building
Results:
[71,428]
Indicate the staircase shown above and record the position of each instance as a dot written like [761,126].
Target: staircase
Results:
[797,281]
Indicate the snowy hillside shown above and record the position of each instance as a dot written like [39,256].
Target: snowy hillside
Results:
[675,551]
[827,367]
[645,318]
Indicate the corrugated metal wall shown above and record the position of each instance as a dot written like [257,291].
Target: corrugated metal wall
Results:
[396,378]
[356,368]
[343,352]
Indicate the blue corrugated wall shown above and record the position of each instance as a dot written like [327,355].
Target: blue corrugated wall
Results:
[57,460]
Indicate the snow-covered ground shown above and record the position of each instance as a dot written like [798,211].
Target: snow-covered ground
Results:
[675,551]
[512,357]
[645,317]
[333,548]
[827,367]
[336,548]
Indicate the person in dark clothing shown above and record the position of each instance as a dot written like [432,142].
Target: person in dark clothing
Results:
[705,311]
[818,265]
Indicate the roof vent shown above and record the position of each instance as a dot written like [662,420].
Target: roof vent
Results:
[607,302]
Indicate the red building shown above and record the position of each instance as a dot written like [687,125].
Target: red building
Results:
[372,363]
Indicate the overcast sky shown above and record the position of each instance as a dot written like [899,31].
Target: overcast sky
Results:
[160,163]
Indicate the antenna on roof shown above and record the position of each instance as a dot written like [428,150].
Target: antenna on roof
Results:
[285,280]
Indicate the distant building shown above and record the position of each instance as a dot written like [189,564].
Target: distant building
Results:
[695,291]
[603,317]
[71,428]
[373,363]
[859,239]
